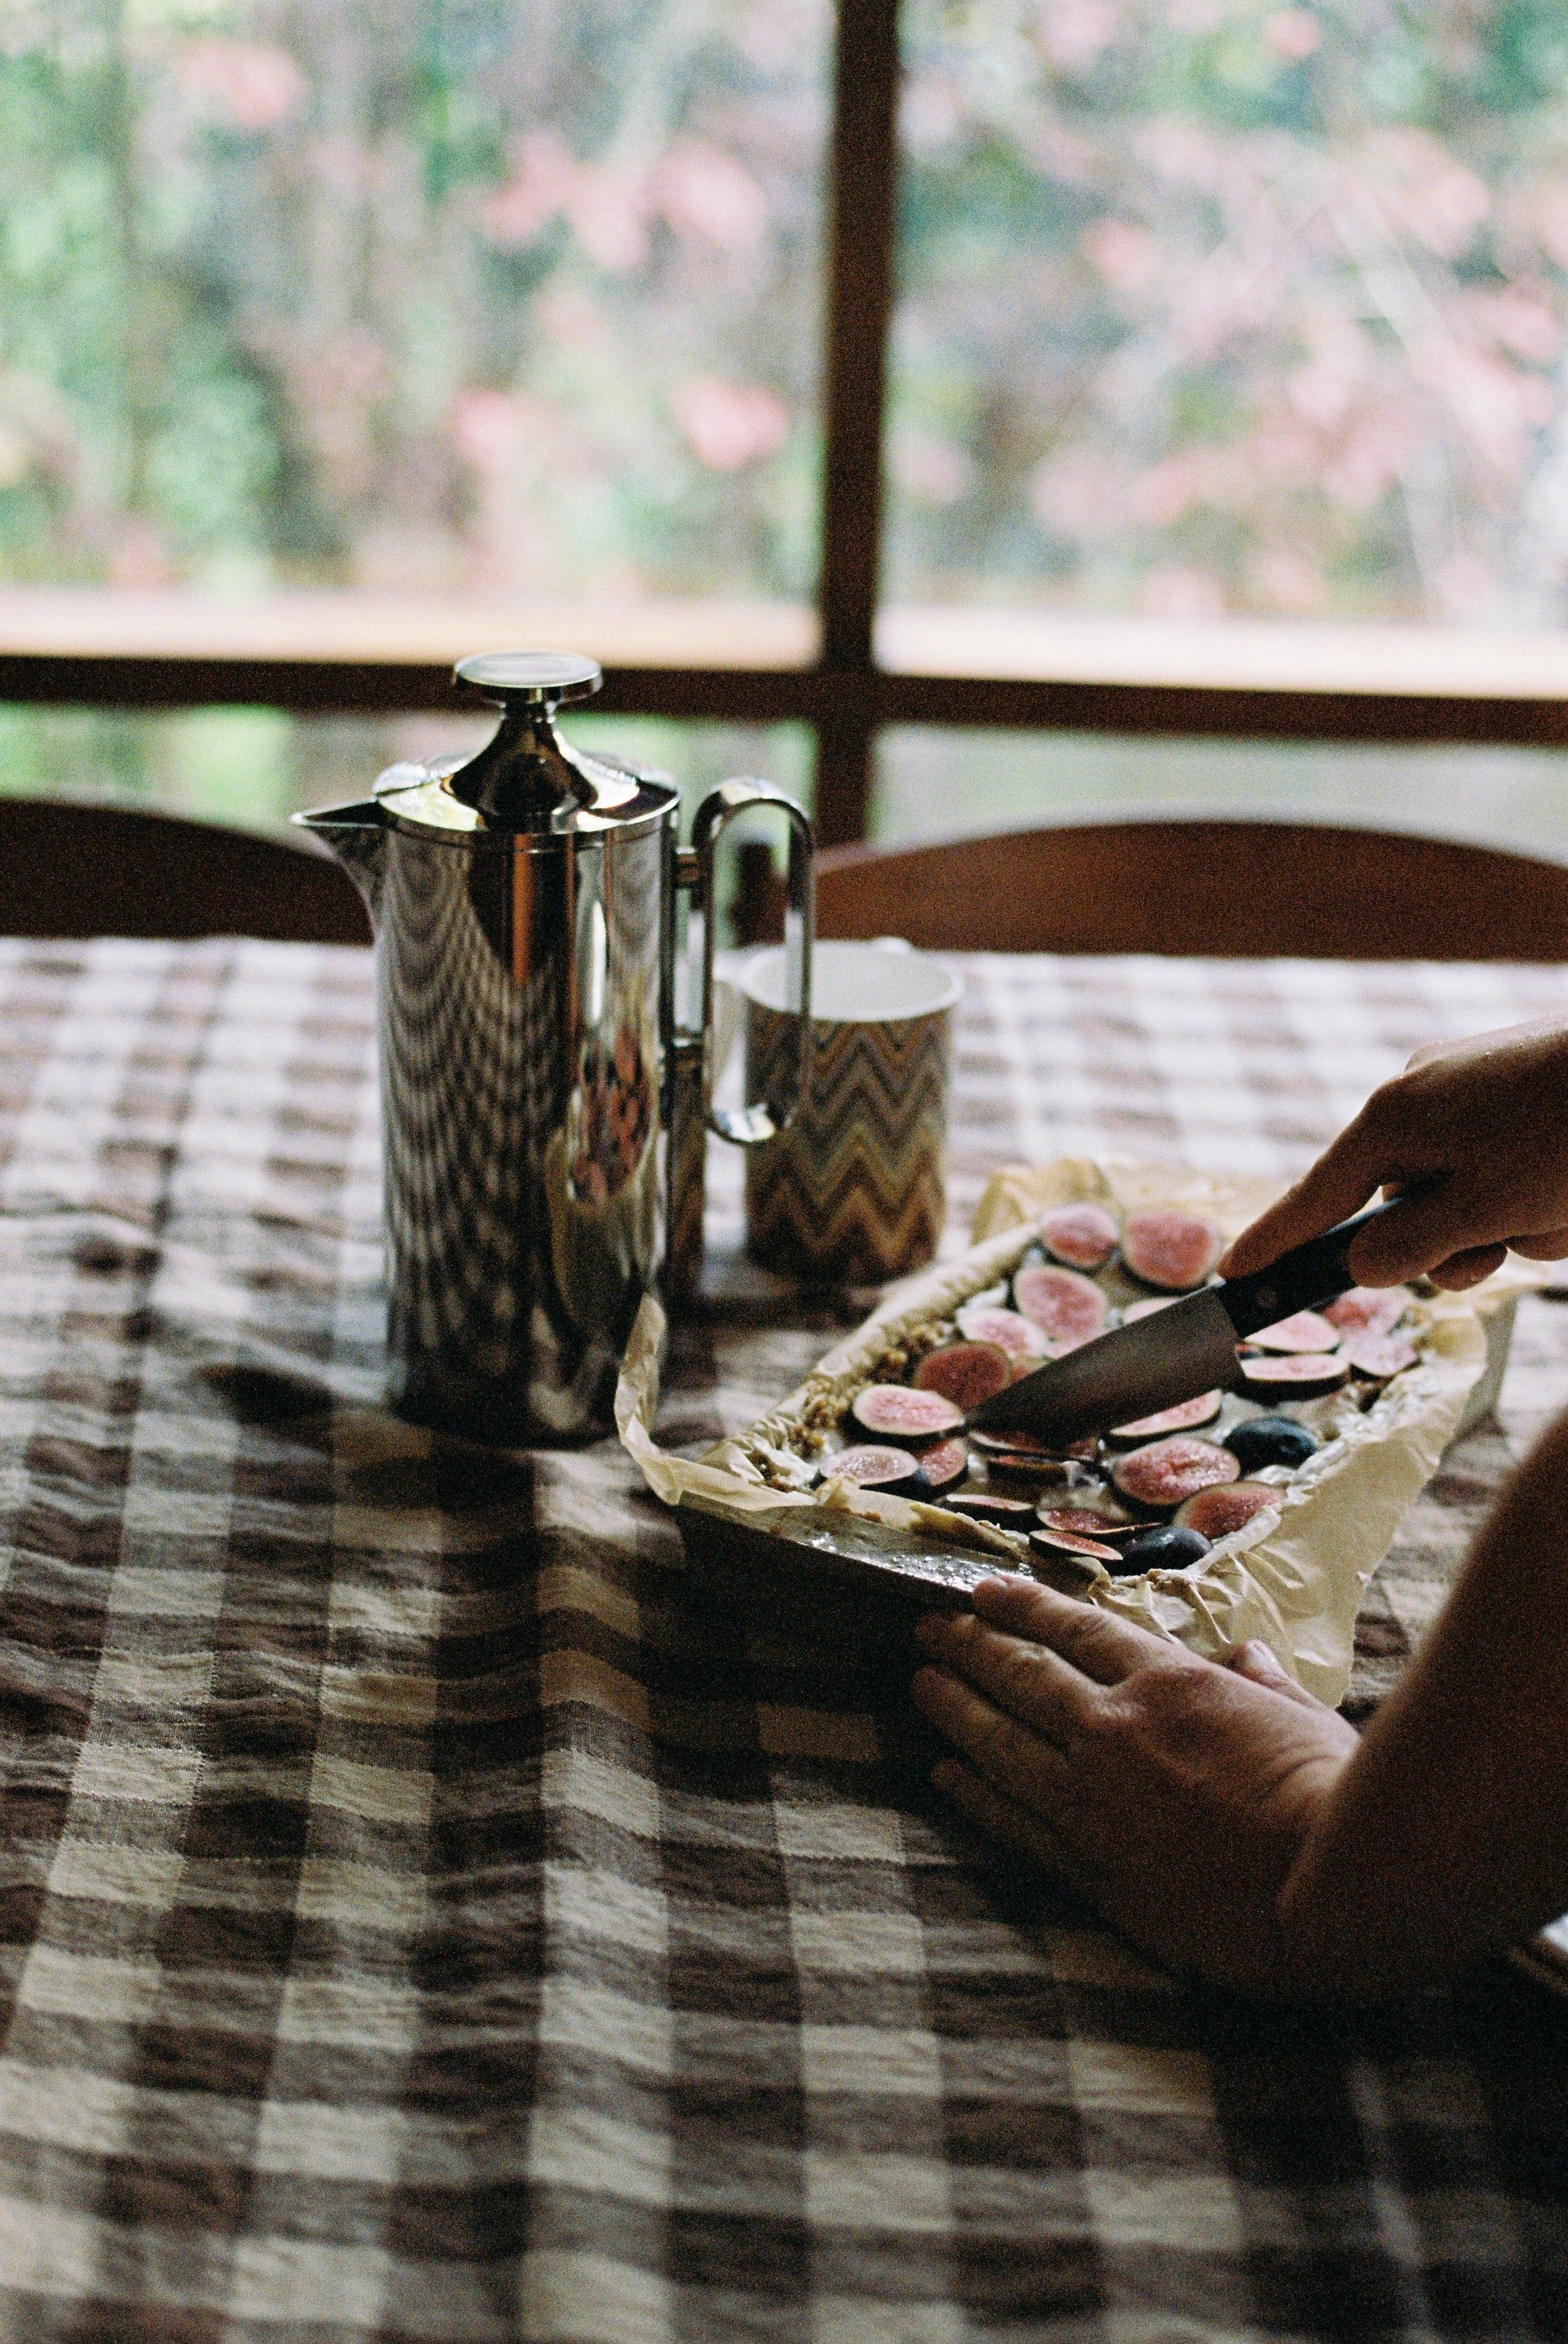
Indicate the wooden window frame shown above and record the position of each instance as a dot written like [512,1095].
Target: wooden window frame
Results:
[1301,684]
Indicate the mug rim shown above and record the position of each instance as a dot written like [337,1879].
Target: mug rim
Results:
[942,989]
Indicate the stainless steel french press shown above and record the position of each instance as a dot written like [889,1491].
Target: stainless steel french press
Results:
[544,1099]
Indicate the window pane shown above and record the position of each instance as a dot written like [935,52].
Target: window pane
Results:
[932,783]
[479,297]
[1219,306]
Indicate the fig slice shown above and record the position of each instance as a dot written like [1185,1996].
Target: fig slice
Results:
[1032,1466]
[1380,1356]
[1292,1375]
[943,1464]
[1185,1416]
[1166,1472]
[899,1412]
[1009,1330]
[993,1506]
[1025,1444]
[871,1466]
[1085,1521]
[1082,1236]
[1175,1251]
[1304,1331]
[1066,1307]
[965,1373]
[1225,1507]
[1047,1541]
[1368,1309]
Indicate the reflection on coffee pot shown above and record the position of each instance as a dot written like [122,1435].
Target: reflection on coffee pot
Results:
[543,1112]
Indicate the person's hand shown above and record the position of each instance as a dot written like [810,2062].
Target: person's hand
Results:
[1485,1123]
[1172,1795]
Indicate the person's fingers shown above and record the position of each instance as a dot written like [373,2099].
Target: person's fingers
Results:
[1256,1661]
[1338,1185]
[1004,1820]
[1468,1268]
[1021,1763]
[1546,1245]
[1027,1678]
[1104,1647]
[1434,1225]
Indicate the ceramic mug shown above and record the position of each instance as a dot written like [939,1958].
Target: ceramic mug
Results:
[854,1190]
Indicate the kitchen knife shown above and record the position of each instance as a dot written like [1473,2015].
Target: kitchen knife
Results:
[1173,1354]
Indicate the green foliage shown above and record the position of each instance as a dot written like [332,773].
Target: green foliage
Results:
[445,292]
[1206,304]
[1235,306]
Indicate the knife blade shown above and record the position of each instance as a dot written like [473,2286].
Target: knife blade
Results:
[1173,1354]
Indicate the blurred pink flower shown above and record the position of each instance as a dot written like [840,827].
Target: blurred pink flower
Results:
[252,82]
[1551,210]
[1324,390]
[137,555]
[1293,35]
[1168,491]
[609,211]
[930,112]
[487,428]
[541,182]
[728,425]
[706,192]
[1428,192]
[1179,592]
[566,315]
[1184,152]
[932,469]
[1074,33]
[1126,255]
[1284,579]
[1371,458]
[1079,496]
[1523,323]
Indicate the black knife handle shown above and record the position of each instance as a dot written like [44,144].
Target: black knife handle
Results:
[1314,1273]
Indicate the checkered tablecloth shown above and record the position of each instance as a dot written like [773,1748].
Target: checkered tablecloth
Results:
[426,1917]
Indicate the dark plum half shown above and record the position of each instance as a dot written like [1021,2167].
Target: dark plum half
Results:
[1269,1441]
[1165,1547]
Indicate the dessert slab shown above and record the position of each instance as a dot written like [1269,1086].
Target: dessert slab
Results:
[767,1504]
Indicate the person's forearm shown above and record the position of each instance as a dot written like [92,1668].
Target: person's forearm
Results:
[1446,1837]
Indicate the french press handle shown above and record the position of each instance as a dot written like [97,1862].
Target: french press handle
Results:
[693,1111]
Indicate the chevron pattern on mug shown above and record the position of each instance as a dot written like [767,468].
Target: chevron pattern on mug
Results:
[854,1190]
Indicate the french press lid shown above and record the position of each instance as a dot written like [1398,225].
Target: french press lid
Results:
[526,778]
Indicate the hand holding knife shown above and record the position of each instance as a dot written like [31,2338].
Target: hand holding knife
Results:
[1173,1354]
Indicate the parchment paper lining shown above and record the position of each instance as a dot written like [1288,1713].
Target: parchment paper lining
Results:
[1292,1576]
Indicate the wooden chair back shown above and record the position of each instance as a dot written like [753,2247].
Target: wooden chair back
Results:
[1205,890]
[70,870]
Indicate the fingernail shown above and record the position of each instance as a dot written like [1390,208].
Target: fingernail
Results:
[1258,1658]
[1003,1582]
[923,1686]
